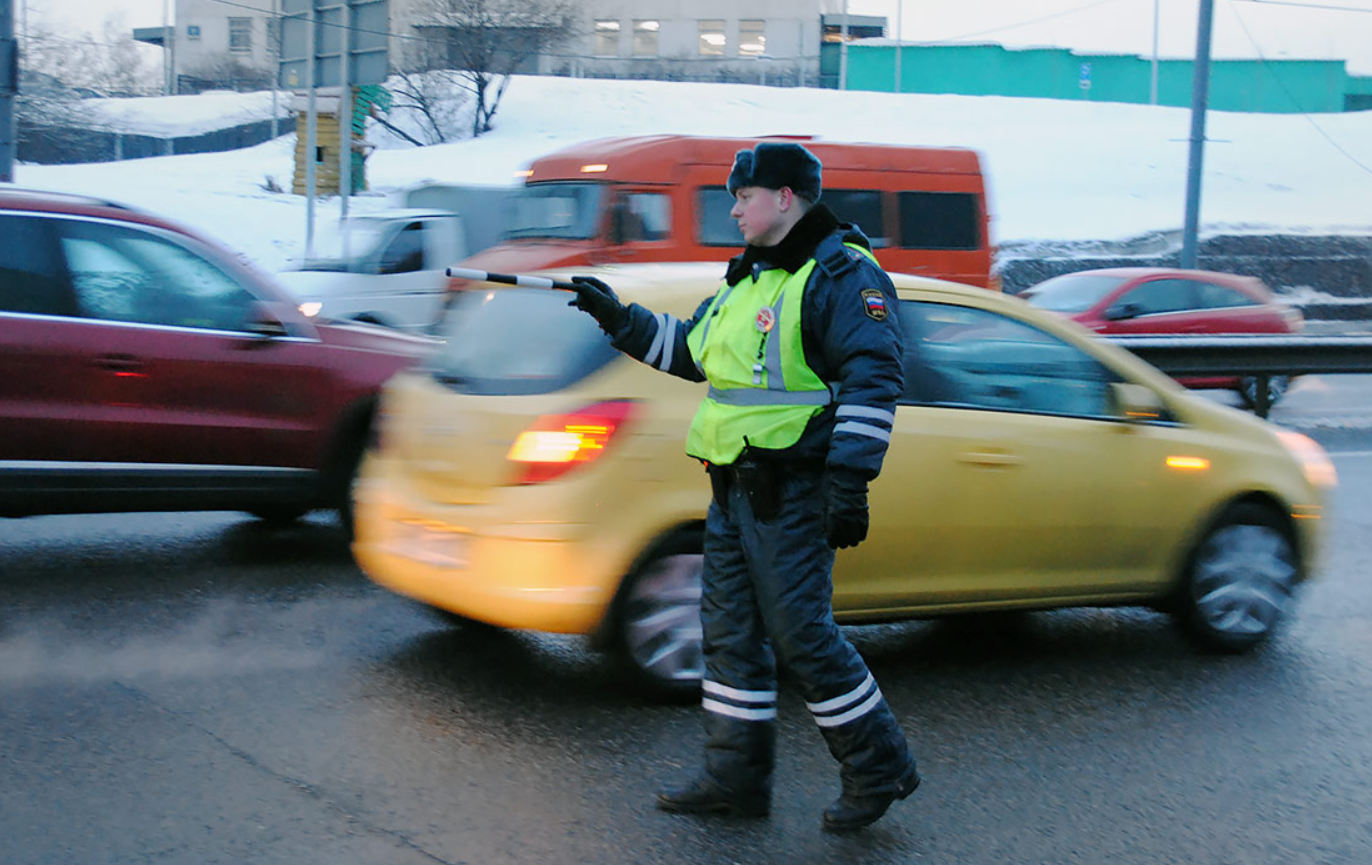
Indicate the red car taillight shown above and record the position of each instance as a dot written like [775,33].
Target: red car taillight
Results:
[556,444]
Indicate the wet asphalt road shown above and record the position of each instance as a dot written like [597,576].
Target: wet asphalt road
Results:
[203,689]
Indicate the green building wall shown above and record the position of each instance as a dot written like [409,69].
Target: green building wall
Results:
[1275,86]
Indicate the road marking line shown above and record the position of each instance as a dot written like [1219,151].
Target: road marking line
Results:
[1350,453]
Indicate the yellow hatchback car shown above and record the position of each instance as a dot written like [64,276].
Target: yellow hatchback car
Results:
[532,477]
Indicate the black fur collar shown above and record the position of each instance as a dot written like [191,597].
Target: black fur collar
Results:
[794,250]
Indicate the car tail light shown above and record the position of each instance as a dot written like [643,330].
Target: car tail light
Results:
[556,444]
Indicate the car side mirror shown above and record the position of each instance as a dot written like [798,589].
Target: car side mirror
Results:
[1136,403]
[1122,311]
[262,323]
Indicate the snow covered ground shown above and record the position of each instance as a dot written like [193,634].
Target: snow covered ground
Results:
[1057,170]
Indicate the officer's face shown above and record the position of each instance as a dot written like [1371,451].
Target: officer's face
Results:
[763,214]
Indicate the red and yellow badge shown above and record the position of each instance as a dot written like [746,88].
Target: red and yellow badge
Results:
[874,303]
[766,319]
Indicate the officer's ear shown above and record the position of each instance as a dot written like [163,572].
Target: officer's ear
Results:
[786,198]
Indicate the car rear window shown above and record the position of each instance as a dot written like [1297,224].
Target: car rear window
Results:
[31,273]
[517,341]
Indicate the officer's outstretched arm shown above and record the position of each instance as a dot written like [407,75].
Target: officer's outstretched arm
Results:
[657,339]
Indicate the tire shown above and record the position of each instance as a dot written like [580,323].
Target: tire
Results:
[349,462]
[1239,583]
[657,622]
[1276,389]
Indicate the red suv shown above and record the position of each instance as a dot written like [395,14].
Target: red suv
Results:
[147,369]
[1156,300]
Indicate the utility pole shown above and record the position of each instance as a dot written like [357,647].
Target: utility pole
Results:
[1200,97]
[311,124]
[843,50]
[345,120]
[1153,87]
[9,87]
[900,5]
[168,68]
[275,19]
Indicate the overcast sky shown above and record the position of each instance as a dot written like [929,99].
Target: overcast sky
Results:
[1337,29]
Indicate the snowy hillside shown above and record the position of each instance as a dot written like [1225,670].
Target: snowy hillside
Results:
[1058,170]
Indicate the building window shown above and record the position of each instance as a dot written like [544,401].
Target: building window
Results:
[752,38]
[606,39]
[711,37]
[645,38]
[193,32]
[240,34]
[274,35]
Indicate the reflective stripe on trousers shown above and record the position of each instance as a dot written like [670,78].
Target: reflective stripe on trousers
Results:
[766,594]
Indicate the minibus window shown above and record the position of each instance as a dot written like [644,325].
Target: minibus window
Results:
[862,207]
[939,220]
[714,225]
[647,216]
[558,210]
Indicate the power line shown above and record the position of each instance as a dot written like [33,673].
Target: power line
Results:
[1308,5]
[1282,84]
[1018,24]
[70,41]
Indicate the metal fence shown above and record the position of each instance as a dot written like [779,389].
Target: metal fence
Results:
[1260,355]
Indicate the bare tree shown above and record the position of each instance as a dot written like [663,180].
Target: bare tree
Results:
[224,71]
[427,101]
[110,65]
[487,41]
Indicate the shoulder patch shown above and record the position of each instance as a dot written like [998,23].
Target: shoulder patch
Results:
[874,303]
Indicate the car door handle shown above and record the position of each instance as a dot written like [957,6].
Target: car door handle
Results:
[990,458]
[118,362]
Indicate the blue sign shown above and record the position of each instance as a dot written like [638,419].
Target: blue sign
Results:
[1084,76]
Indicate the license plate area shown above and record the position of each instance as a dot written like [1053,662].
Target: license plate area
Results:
[429,542]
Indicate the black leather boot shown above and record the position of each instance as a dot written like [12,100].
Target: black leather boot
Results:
[850,811]
[702,795]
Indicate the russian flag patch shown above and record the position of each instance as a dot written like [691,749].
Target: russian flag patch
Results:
[874,303]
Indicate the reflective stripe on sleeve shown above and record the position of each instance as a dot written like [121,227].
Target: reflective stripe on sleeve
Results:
[668,344]
[864,411]
[656,348]
[863,429]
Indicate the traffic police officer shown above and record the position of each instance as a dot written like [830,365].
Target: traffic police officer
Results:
[802,353]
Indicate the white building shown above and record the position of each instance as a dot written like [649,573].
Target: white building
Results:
[763,41]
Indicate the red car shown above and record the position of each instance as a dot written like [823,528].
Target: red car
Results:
[147,369]
[1156,300]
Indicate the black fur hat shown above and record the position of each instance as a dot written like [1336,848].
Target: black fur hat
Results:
[773,165]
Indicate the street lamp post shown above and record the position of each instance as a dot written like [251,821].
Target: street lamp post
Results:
[1153,84]
[1200,96]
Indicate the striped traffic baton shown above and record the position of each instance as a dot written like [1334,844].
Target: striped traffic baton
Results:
[512,279]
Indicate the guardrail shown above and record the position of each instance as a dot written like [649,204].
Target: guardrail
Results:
[1259,355]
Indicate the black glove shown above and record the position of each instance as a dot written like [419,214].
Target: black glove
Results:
[845,510]
[599,301]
